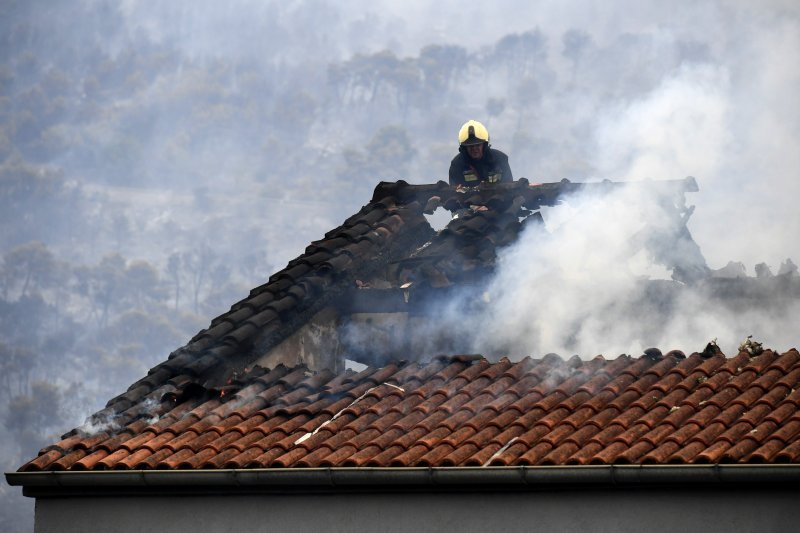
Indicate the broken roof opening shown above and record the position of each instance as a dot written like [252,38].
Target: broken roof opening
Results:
[439,219]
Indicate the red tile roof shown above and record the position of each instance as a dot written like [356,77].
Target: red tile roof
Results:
[208,407]
[461,411]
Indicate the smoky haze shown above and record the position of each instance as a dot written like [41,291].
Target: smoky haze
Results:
[596,283]
[159,159]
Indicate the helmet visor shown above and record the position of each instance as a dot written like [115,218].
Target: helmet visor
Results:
[472,141]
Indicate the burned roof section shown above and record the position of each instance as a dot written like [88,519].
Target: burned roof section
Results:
[386,244]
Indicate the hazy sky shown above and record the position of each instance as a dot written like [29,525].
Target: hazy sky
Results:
[732,119]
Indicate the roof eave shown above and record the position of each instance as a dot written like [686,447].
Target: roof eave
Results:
[57,483]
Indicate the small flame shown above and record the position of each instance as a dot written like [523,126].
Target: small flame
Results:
[222,393]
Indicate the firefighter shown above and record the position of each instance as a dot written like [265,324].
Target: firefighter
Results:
[477,161]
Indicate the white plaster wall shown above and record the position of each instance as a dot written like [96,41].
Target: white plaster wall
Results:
[663,510]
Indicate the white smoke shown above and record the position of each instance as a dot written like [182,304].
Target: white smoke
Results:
[552,291]
[734,125]
[586,288]
[95,425]
[681,125]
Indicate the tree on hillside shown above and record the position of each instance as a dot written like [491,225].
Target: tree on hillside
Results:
[6,370]
[495,106]
[365,78]
[30,266]
[576,44]
[440,66]
[174,271]
[23,321]
[37,203]
[144,337]
[16,366]
[294,113]
[24,360]
[387,156]
[390,151]
[101,285]
[143,284]
[520,53]
[198,263]
[30,417]
[6,148]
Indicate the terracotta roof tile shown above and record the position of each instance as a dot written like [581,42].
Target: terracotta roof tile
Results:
[579,417]
[180,441]
[491,434]
[791,379]
[112,459]
[750,442]
[779,395]
[789,454]
[603,419]
[781,414]
[722,397]
[409,457]
[557,435]
[436,455]
[219,460]
[506,455]
[567,453]
[632,434]
[265,458]
[290,457]
[667,383]
[602,398]
[431,422]
[661,454]
[767,452]
[706,414]
[242,459]
[788,432]
[453,404]
[756,414]
[131,460]
[679,415]
[480,420]
[245,442]
[632,455]
[722,363]
[631,395]
[67,461]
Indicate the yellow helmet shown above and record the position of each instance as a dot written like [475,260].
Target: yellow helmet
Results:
[472,132]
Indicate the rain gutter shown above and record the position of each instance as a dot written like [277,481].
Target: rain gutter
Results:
[442,479]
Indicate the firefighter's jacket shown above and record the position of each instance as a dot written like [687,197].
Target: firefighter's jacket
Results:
[492,167]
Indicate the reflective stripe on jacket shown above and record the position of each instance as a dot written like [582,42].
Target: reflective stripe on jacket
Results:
[492,168]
